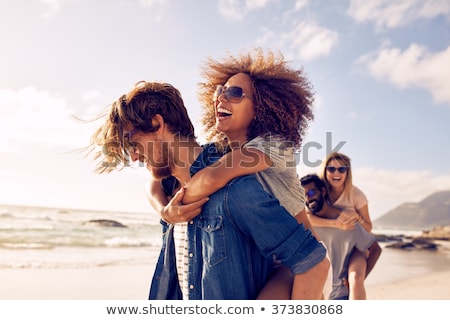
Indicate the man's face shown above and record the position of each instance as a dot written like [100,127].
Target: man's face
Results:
[151,150]
[314,198]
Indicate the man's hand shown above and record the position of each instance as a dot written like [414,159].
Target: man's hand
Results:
[176,212]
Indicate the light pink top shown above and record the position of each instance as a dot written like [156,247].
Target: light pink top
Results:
[356,201]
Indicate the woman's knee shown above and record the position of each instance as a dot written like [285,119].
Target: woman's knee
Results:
[356,277]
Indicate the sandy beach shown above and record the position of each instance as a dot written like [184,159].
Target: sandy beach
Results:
[49,254]
[429,287]
[132,283]
[97,283]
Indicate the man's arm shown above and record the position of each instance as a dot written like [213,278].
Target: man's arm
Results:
[171,210]
[317,221]
[155,195]
[374,254]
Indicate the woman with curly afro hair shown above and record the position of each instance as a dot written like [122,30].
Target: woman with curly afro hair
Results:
[282,96]
[257,109]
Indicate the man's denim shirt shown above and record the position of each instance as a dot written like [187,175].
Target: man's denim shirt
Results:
[233,242]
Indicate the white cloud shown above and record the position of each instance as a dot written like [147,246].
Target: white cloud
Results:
[311,41]
[32,117]
[306,40]
[414,67]
[386,189]
[256,4]
[157,7]
[353,115]
[92,100]
[52,7]
[7,174]
[236,10]
[392,14]
[152,3]
[91,95]
[300,4]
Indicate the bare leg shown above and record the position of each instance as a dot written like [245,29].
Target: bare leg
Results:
[310,285]
[356,275]
[279,286]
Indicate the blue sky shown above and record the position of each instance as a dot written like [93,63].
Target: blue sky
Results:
[380,70]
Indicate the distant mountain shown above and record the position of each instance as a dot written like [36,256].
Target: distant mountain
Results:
[432,211]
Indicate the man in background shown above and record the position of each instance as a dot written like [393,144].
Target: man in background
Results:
[340,243]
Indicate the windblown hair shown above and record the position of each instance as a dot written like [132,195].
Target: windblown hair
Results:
[346,162]
[138,108]
[283,96]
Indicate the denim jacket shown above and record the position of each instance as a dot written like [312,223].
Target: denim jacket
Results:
[232,245]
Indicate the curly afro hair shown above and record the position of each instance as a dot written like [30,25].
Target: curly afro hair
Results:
[283,96]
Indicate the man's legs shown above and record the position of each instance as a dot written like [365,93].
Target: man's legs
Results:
[279,286]
[310,285]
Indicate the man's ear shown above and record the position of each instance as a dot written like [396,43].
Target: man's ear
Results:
[158,121]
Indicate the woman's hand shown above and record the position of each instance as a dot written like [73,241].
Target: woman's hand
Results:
[347,220]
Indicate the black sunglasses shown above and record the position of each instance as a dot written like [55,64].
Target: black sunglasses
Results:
[232,94]
[311,193]
[340,169]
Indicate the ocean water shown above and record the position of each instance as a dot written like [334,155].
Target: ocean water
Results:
[34,237]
